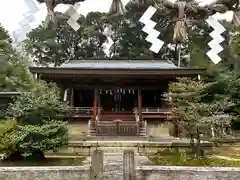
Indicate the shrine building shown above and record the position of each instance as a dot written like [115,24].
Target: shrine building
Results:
[115,97]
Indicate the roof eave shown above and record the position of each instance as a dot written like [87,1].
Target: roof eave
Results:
[9,94]
[76,71]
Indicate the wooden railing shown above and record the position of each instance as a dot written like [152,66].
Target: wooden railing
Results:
[153,110]
[117,128]
[136,115]
[81,111]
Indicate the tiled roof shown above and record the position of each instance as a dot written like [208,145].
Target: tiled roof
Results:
[119,64]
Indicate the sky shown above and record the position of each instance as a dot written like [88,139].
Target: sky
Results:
[12,13]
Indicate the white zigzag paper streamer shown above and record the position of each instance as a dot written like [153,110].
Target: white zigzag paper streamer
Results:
[74,16]
[149,29]
[19,34]
[33,9]
[217,39]
[109,42]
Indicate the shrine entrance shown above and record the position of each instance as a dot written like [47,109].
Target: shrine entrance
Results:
[118,100]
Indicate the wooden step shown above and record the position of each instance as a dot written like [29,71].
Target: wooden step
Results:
[117,116]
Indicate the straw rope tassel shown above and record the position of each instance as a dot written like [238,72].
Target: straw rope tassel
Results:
[116,8]
[236,19]
[180,33]
[51,4]
[236,15]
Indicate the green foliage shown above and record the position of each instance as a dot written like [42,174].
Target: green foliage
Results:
[14,73]
[194,115]
[198,102]
[6,127]
[224,90]
[60,43]
[40,104]
[4,34]
[28,139]
[35,125]
[38,127]
[170,158]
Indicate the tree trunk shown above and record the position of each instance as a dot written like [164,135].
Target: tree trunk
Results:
[198,145]
[178,54]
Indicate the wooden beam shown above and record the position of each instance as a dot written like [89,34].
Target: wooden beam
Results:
[140,104]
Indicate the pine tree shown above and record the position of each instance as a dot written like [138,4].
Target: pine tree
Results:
[14,73]
[193,115]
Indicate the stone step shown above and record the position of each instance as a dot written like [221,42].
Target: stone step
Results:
[113,164]
[117,149]
[117,159]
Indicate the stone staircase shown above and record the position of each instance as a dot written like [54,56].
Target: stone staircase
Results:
[117,124]
[143,129]
[113,162]
[92,128]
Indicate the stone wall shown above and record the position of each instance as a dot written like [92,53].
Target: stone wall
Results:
[44,173]
[143,173]
[187,173]
[158,128]
[78,128]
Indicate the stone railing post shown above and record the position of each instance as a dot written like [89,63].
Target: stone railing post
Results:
[129,167]
[96,171]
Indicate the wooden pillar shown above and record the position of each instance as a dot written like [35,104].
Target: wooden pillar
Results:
[96,172]
[72,97]
[98,103]
[95,104]
[140,104]
[129,167]
[65,96]
[36,75]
